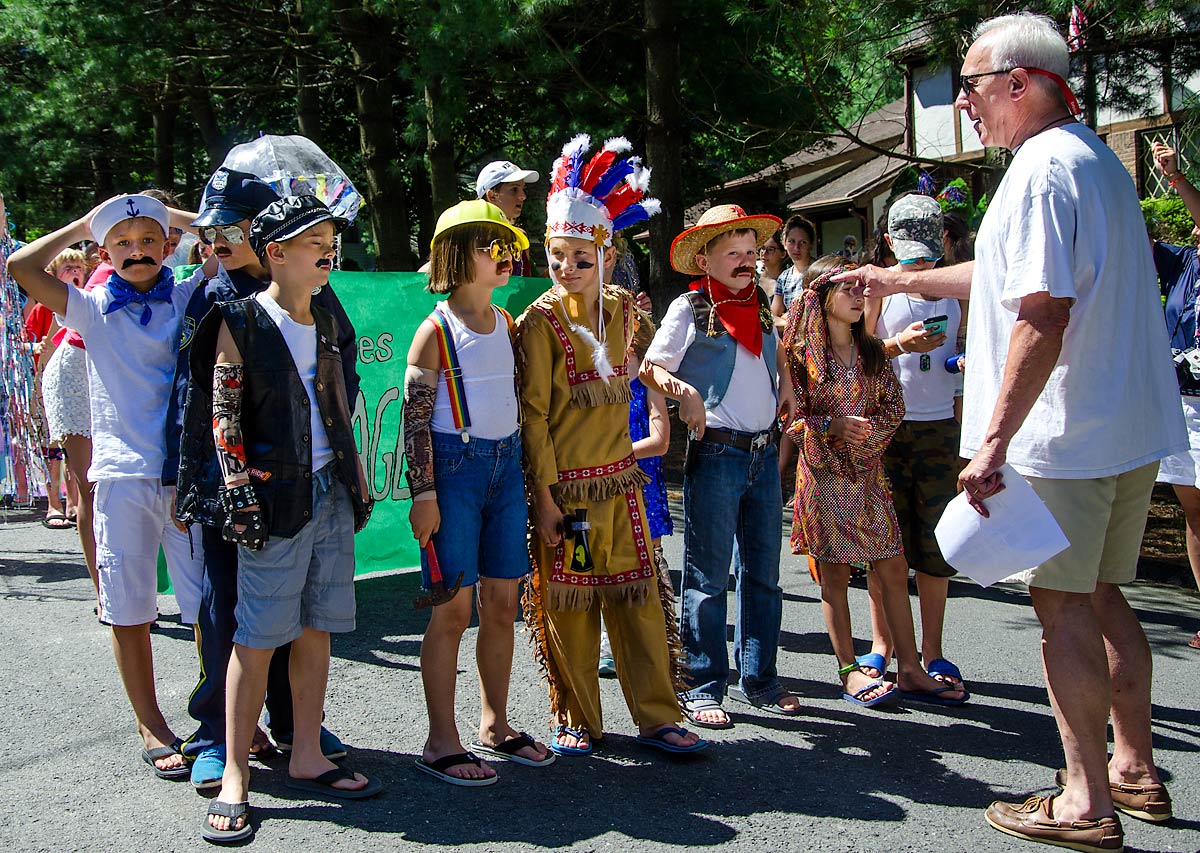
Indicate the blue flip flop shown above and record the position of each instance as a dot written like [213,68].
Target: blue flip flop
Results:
[870,703]
[657,741]
[941,666]
[578,734]
[874,660]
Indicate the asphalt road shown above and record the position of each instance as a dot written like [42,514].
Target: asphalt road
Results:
[834,779]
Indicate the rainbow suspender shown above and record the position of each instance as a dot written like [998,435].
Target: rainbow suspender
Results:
[456,391]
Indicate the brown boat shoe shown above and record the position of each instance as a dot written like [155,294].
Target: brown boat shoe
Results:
[1033,820]
[1151,803]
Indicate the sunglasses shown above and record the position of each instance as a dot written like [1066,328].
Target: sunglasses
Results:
[970,82]
[914,260]
[497,249]
[234,234]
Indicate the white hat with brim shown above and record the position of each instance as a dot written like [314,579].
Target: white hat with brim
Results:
[502,172]
[717,220]
[116,210]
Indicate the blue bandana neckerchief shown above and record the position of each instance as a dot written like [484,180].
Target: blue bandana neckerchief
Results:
[123,293]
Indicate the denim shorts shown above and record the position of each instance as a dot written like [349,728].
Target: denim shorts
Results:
[481,497]
[306,581]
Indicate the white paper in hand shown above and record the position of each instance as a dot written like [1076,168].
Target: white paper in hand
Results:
[1019,534]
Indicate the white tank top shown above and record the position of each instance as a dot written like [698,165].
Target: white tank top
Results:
[928,394]
[302,344]
[487,372]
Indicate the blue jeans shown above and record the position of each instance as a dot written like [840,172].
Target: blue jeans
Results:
[484,514]
[729,495]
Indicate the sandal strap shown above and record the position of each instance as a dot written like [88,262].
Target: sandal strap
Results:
[337,774]
[579,733]
[874,685]
[514,745]
[230,810]
[455,760]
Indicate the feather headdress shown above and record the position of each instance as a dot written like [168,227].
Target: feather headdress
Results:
[596,198]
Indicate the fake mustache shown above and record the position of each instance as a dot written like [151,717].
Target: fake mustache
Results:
[744,270]
[144,259]
[324,264]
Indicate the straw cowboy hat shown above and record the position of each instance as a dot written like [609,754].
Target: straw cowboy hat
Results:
[713,223]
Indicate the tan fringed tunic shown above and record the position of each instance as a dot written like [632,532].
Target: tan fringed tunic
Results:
[575,430]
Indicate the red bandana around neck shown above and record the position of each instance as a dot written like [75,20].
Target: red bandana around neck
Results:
[737,312]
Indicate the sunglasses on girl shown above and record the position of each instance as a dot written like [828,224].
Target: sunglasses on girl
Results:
[234,234]
[497,249]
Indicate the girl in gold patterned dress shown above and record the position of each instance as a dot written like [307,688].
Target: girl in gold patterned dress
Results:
[849,404]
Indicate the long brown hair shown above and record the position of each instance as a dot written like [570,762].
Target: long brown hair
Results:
[873,355]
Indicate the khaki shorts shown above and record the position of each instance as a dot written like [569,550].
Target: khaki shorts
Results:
[1104,520]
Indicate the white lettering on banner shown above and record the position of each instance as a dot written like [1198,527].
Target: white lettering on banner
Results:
[368,434]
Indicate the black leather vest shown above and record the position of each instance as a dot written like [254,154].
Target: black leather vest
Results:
[276,428]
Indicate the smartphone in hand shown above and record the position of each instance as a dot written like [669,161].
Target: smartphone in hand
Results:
[936,325]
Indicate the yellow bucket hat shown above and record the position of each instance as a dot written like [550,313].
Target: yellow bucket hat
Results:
[477,211]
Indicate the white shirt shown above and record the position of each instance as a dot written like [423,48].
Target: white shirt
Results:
[301,342]
[131,372]
[487,374]
[928,394]
[749,403]
[1065,220]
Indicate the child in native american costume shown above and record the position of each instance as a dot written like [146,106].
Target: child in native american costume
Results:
[591,542]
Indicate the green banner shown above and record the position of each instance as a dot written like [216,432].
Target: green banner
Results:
[386,309]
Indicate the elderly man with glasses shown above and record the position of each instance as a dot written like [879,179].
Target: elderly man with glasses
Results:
[1070,382]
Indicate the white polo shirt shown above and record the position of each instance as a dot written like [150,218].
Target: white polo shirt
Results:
[131,371]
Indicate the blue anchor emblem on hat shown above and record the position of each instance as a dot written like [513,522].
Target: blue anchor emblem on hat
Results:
[133,208]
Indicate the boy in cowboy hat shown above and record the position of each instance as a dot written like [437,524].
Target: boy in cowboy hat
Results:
[716,353]
[591,542]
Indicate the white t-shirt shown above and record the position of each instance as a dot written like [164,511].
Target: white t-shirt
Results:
[928,394]
[131,373]
[302,344]
[1065,220]
[749,404]
[487,374]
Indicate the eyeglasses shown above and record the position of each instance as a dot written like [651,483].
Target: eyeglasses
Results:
[497,249]
[970,82]
[234,235]
[915,260]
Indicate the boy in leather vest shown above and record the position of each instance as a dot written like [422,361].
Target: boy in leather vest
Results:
[292,496]
[716,353]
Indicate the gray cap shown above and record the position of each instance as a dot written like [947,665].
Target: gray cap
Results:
[915,226]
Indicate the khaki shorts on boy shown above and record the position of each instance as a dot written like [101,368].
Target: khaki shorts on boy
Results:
[1104,520]
[305,581]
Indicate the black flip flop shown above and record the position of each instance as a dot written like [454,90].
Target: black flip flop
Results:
[507,751]
[438,769]
[232,811]
[323,785]
[57,517]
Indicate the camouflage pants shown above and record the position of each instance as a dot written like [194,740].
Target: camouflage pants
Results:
[922,465]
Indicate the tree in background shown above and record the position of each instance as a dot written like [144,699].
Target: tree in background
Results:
[412,97]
